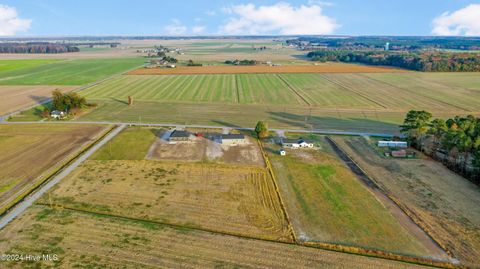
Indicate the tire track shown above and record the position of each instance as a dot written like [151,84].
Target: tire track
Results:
[292,89]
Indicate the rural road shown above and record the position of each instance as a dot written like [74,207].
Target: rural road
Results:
[278,131]
[29,200]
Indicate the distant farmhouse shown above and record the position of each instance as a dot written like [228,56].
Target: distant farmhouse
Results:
[296,143]
[233,139]
[178,136]
[392,144]
[57,114]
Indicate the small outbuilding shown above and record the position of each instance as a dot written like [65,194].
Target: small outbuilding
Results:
[282,152]
[233,139]
[178,136]
[392,144]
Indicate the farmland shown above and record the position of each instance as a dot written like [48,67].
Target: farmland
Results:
[361,102]
[31,152]
[15,97]
[263,69]
[65,72]
[93,240]
[443,202]
[327,203]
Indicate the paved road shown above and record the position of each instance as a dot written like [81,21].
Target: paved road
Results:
[312,131]
[29,200]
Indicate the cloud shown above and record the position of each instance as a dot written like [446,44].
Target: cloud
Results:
[10,23]
[175,28]
[198,29]
[281,18]
[465,21]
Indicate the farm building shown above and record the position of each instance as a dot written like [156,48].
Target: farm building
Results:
[282,152]
[233,139]
[177,136]
[392,144]
[296,143]
[57,114]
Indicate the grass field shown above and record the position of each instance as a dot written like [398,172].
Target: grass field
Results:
[65,72]
[327,203]
[356,102]
[445,203]
[30,152]
[16,97]
[94,241]
[130,144]
[9,65]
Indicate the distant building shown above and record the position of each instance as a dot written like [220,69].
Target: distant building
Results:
[233,139]
[57,114]
[282,152]
[296,143]
[399,153]
[387,46]
[177,136]
[392,144]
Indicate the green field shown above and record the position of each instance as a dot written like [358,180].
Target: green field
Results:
[9,65]
[327,203]
[130,144]
[65,72]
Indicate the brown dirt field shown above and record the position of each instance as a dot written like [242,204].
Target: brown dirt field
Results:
[203,149]
[324,68]
[236,199]
[17,97]
[84,240]
[443,202]
[29,152]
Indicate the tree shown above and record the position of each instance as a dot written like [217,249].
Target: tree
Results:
[261,129]
[415,126]
[438,128]
[58,102]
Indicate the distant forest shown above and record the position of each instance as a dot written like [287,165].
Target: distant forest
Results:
[37,47]
[420,61]
[401,43]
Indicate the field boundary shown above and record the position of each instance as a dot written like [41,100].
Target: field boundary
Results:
[237,89]
[292,89]
[368,180]
[322,246]
[277,190]
[64,163]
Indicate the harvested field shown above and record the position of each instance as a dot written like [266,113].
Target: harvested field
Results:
[17,97]
[230,199]
[30,152]
[443,202]
[327,203]
[263,69]
[93,241]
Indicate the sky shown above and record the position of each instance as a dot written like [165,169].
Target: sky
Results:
[250,17]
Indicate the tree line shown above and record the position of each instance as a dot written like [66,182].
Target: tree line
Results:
[36,48]
[419,61]
[455,141]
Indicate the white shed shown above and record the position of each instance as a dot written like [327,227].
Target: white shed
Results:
[392,144]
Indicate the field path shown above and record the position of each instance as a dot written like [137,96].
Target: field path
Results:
[406,221]
[29,200]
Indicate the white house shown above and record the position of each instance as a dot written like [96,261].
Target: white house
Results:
[296,143]
[282,152]
[57,114]
[392,144]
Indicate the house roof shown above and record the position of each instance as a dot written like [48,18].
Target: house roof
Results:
[233,136]
[177,133]
[296,141]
